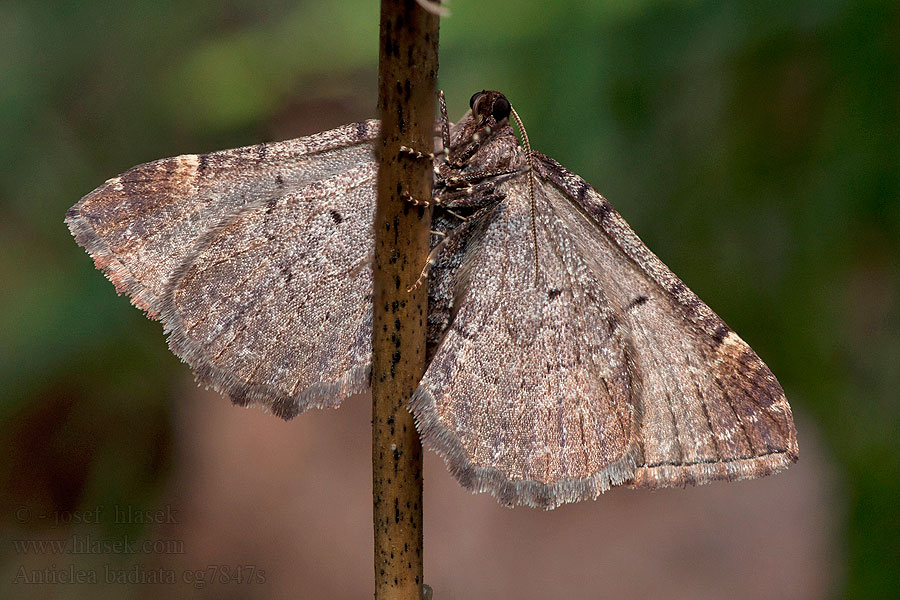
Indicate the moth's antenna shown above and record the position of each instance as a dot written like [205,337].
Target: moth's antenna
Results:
[530,188]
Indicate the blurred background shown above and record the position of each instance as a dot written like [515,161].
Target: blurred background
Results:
[754,146]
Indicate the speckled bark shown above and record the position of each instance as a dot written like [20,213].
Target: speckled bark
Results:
[407,74]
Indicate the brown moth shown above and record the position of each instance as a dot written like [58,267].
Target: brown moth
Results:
[564,357]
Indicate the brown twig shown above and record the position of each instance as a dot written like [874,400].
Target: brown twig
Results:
[406,79]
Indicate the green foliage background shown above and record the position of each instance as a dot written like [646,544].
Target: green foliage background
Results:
[755,146]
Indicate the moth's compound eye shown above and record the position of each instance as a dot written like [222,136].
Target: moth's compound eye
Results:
[474,99]
[500,109]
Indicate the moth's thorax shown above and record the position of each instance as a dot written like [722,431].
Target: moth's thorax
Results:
[488,147]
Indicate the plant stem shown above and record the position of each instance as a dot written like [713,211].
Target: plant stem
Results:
[406,80]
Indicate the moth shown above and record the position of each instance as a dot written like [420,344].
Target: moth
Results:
[564,357]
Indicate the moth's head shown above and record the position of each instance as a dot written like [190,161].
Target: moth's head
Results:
[489,109]
[484,137]
[487,121]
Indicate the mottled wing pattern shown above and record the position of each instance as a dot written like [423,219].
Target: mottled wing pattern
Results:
[601,369]
[239,252]
[533,393]
[712,409]
[605,371]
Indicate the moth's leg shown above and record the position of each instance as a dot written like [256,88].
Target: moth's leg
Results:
[472,201]
[453,214]
[457,215]
[447,238]
[464,154]
[445,137]
[418,154]
[414,201]
[435,201]
[444,152]
[435,253]
[472,196]
[445,123]
[445,195]
[466,179]
[432,259]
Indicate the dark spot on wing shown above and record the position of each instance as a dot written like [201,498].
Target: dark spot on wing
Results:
[362,130]
[720,334]
[637,302]
[602,211]
[336,216]
[279,180]
[553,294]
[612,323]
[583,190]
[203,164]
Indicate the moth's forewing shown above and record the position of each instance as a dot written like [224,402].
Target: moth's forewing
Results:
[255,259]
[711,408]
[532,393]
